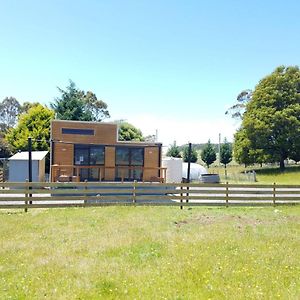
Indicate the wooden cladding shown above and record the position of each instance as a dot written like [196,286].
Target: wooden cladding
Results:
[104,133]
[151,159]
[63,154]
[110,162]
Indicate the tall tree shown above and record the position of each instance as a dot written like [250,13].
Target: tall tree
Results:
[9,111]
[208,154]
[194,154]
[271,122]
[75,104]
[36,124]
[127,132]
[174,151]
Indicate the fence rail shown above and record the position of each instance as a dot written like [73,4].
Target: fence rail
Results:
[27,195]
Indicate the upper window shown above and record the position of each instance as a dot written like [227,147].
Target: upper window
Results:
[77,131]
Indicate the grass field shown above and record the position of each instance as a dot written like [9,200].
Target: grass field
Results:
[150,253]
[266,175]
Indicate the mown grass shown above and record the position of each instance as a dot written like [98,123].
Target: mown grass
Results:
[150,253]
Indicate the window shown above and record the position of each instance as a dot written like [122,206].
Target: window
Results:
[129,163]
[88,155]
[77,131]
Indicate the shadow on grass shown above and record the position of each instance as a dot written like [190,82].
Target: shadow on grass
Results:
[276,170]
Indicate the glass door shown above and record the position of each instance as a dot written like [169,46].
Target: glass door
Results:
[129,163]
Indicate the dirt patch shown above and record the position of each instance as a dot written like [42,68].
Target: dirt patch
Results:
[239,221]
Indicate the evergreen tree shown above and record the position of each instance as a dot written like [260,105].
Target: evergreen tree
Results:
[194,155]
[208,154]
[173,151]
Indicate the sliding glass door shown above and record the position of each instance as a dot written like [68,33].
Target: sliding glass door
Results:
[129,163]
[89,155]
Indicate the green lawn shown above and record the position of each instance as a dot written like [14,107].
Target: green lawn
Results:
[150,253]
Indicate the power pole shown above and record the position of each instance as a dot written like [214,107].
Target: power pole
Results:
[30,164]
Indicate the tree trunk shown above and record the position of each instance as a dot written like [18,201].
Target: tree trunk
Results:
[281,164]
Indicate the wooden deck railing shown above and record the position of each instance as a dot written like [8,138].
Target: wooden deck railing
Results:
[45,195]
[72,173]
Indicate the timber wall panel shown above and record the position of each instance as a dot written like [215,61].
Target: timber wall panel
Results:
[151,160]
[105,133]
[110,162]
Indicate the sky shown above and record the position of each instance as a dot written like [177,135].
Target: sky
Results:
[174,66]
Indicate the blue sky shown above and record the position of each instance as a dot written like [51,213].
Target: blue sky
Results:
[174,66]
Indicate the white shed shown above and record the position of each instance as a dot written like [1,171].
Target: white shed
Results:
[18,166]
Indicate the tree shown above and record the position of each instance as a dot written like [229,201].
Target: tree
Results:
[127,132]
[194,155]
[9,111]
[27,105]
[5,148]
[225,154]
[35,124]
[241,148]
[271,123]
[173,151]
[295,153]
[237,110]
[74,104]
[208,154]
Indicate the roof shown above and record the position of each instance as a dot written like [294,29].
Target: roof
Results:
[36,155]
[85,122]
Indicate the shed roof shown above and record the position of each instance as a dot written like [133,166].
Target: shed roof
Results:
[36,155]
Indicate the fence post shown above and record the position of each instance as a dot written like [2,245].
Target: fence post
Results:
[227,192]
[181,195]
[134,192]
[274,193]
[26,196]
[85,188]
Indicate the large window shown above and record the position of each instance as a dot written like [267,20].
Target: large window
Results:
[89,155]
[77,131]
[129,163]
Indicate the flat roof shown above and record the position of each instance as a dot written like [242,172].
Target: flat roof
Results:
[36,155]
[85,122]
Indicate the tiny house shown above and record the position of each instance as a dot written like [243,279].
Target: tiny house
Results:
[91,151]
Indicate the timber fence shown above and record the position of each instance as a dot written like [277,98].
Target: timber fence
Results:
[83,194]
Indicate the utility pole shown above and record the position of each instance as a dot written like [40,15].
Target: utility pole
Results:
[30,164]
[189,163]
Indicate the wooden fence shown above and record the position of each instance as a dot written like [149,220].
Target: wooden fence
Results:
[82,194]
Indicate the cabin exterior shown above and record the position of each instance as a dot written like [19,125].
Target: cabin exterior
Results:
[91,151]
